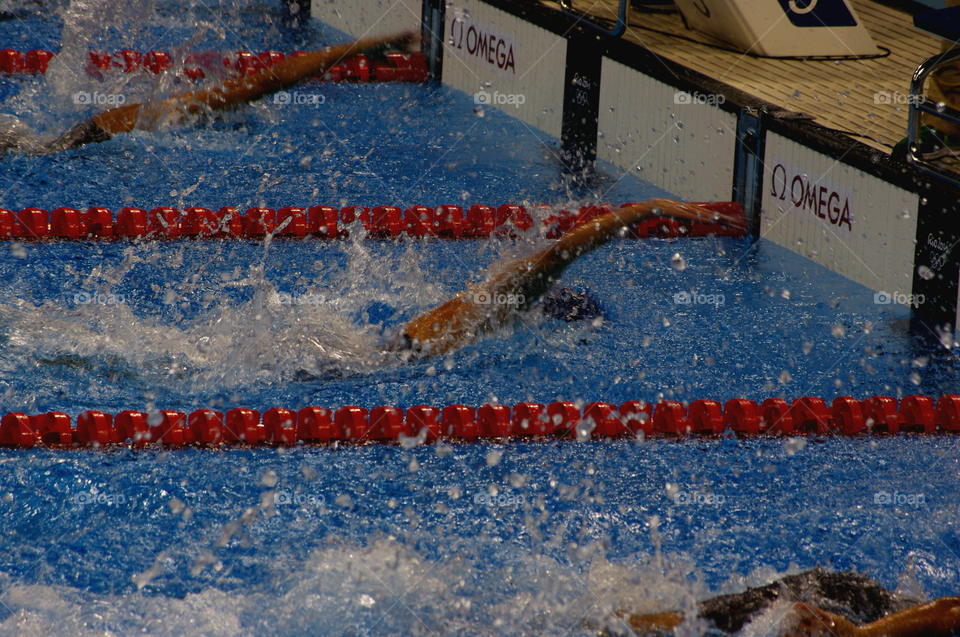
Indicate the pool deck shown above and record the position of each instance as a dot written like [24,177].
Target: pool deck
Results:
[837,94]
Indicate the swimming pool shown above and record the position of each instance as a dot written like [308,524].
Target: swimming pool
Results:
[388,540]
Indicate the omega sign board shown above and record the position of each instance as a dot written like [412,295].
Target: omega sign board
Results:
[812,197]
[481,44]
[782,28]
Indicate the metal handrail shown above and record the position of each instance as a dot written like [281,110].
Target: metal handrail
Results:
[623,18]
[918,105]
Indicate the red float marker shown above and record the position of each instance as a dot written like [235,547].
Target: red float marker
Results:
[530,419]
[810,415]
[776,417]
[670,418]
[493,421]
[706,417]
[847,416]
[280,425]
[131,222]
[315,424]
[606,420]
[18,430]
[459,421]
[206,427]
[424,417]
[95,429]
[742,417]
[132,425]
[67,223]
[564,416]
[55,429]
[880,414]
[98,222]
[917,414]
[386,424]
[352,423]
[637,416]
[242,426]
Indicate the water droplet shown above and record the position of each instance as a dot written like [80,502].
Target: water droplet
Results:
[478,111]
[941,106]
[269,478]
[677,262]
[838,330]
[793,446]
[925,273]
[584,429]
[493,458]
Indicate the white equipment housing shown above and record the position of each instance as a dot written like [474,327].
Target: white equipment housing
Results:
[782,28]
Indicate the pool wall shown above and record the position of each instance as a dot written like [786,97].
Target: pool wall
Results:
[816,192]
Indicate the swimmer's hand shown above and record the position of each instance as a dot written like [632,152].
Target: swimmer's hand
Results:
[809,621]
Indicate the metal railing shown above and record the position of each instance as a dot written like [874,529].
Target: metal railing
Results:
[918,105]
[623,17]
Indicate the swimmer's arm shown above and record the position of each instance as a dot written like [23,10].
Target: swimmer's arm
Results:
[448,326]
[655,623]
[939,618]
[289,72]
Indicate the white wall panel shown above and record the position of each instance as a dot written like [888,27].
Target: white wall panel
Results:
[540,63]
[876,250]
[687,149]
[368,17]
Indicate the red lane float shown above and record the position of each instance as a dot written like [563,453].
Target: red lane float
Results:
[324,222]
[394,67]
[806,415]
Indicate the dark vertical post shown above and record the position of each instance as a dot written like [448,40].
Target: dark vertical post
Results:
[433,22]
[581,102]
[748,166]
[936,262]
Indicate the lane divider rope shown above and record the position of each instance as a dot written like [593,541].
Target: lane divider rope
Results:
[394,66]
[327,222]
[278,426]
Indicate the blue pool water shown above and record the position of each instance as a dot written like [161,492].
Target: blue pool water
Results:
[387,540]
